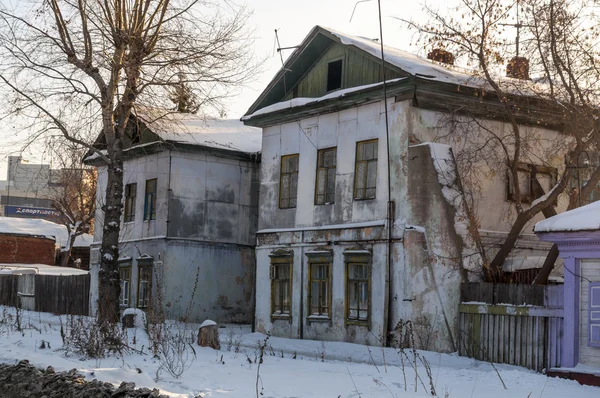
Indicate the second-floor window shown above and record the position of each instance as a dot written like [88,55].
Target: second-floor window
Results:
[288,182]
[545,176]
[365,172]
[326,166]
[130,194]
[150,200]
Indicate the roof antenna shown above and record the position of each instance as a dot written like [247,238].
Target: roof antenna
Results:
[279,48]
[354,9]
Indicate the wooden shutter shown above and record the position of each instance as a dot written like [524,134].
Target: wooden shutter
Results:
[594,314]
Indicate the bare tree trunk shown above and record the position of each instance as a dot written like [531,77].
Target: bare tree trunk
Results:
[65,253]
[546,270]
[109,287]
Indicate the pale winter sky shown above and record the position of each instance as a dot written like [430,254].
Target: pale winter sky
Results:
[294,19]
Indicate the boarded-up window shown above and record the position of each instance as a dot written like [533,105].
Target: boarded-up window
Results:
[125,282]
[594,314]
[144,285]
[150,202]
[365,173]
[288,182]
[281,286]
[326,166]
[130,196]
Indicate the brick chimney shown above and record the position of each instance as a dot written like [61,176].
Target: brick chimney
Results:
[518,68]
[443,56]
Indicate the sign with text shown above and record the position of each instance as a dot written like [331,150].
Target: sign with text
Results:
[31,212]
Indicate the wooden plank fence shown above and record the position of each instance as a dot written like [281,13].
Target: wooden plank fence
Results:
[501,331]
[58,294]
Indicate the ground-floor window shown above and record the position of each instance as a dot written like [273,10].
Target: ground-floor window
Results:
[144,285]
[125,282]
[319,286]
[281,283]
[358,286]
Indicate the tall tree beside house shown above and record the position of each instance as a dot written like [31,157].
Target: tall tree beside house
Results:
[560,75]
[78,66]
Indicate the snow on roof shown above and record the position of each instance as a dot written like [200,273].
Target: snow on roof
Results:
[301,101]
[39,227]
[421,67]
[196,130]
[39,269]
[586,218]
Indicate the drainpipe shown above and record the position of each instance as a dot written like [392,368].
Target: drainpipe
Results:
[390,205]
[301,317]
[169,196]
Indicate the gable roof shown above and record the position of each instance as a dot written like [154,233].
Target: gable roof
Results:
[404,63]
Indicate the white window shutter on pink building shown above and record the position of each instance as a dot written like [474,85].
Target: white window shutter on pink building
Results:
[594,303]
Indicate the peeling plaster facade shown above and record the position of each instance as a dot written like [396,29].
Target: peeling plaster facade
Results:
[202,240]
[429,240]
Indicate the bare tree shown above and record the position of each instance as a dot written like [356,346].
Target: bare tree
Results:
[72,188]
[559,38]
[75,67]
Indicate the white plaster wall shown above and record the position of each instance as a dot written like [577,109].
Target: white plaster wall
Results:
[494,211]
[342,130]
[590,272]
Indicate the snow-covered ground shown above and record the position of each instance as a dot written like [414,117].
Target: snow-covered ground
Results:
[291,368]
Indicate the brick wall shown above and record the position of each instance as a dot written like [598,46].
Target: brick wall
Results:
[26,250]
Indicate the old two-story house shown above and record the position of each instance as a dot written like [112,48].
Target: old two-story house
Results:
[362,223]
[190,216]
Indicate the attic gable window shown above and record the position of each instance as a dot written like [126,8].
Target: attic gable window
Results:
[334,75]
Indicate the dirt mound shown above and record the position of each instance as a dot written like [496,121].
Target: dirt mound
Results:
[24,380]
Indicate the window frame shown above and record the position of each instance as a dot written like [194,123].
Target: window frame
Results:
[341,59]
[127,267]
[527,168]
[130,202]
[281,176]
[326,169]
[150,215]
[364,257]
[356,165]
[145,265]
[320,257]
[281,258]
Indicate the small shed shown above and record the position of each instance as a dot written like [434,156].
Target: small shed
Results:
[577,235]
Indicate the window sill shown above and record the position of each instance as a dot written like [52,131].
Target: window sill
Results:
[358,323]
[318,319]
[325,204]
[281,317]
[154,219]
[363,199]
[128,222]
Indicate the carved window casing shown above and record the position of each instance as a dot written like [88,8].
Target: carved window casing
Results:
[358,287]
[319,284]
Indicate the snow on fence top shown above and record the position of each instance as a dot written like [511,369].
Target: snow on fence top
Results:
[39,269]
[39,227]
[586,218]
[195,130]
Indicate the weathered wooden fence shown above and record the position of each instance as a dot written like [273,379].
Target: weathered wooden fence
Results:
[513,324]
[58,294]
